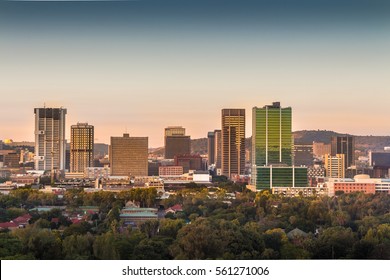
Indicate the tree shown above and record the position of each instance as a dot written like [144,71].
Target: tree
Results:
[77,229]
[43,244]
[9,245]
[104,247]
[78,247]
[334,243]
[275,239]
[126,242]
[170,228]
[152,249]
[198,240]
[13,213]
[149,228]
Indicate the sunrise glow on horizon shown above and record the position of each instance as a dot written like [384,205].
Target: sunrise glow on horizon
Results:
[141,66]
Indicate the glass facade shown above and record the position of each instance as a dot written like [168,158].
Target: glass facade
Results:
[272,140]
[273,177]
[272,149]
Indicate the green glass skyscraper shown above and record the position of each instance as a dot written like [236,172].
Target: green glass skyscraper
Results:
[272,141]
[272,149]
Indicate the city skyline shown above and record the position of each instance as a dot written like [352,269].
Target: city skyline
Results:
[148,65]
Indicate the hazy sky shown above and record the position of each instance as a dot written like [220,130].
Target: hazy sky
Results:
[144,65]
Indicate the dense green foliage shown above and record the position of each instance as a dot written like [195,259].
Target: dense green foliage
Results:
[212,225]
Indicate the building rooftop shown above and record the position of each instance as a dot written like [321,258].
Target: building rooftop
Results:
[139,214]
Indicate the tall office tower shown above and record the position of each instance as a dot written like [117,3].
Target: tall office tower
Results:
[211,147]
[176,142]
[218,148]
[334,166]
[81,147]
[272,140]
[233,142]
[50,143]
[129,156]
[1,145]
[344,145]
[272,149]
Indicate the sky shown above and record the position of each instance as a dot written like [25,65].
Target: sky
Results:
[140,66]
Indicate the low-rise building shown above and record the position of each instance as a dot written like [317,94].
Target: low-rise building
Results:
[25,179]
[297,191]
[132,216]
[360,183]
[19,222]
[164,171]
[97,172]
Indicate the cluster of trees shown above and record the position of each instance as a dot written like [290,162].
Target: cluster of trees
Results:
[252,226]
[29,198]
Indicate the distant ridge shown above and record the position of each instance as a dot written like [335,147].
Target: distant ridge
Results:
[309,136]
[362,143]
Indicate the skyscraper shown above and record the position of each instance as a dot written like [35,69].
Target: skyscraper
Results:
[218,148]
[81,147]
[272,149]
[214,148]
[211,147]
[233,142]
[272,140]
[176,142]
[50,143]
[344,145]
[129,156]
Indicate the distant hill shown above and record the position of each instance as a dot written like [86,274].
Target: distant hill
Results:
[308,136]
[199,146]
[159,152]
[375,143]
[100,149]
[362,143]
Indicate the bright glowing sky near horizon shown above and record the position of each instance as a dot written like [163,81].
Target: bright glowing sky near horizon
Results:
[143,65]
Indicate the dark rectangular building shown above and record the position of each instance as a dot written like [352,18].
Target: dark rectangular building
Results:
[303,154]
[189,162]
[177,145]
[211,147]
[344,145]
[380,162]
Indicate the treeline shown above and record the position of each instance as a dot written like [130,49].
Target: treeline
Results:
[251,226]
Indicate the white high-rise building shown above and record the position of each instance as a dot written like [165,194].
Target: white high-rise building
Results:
[50,143]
